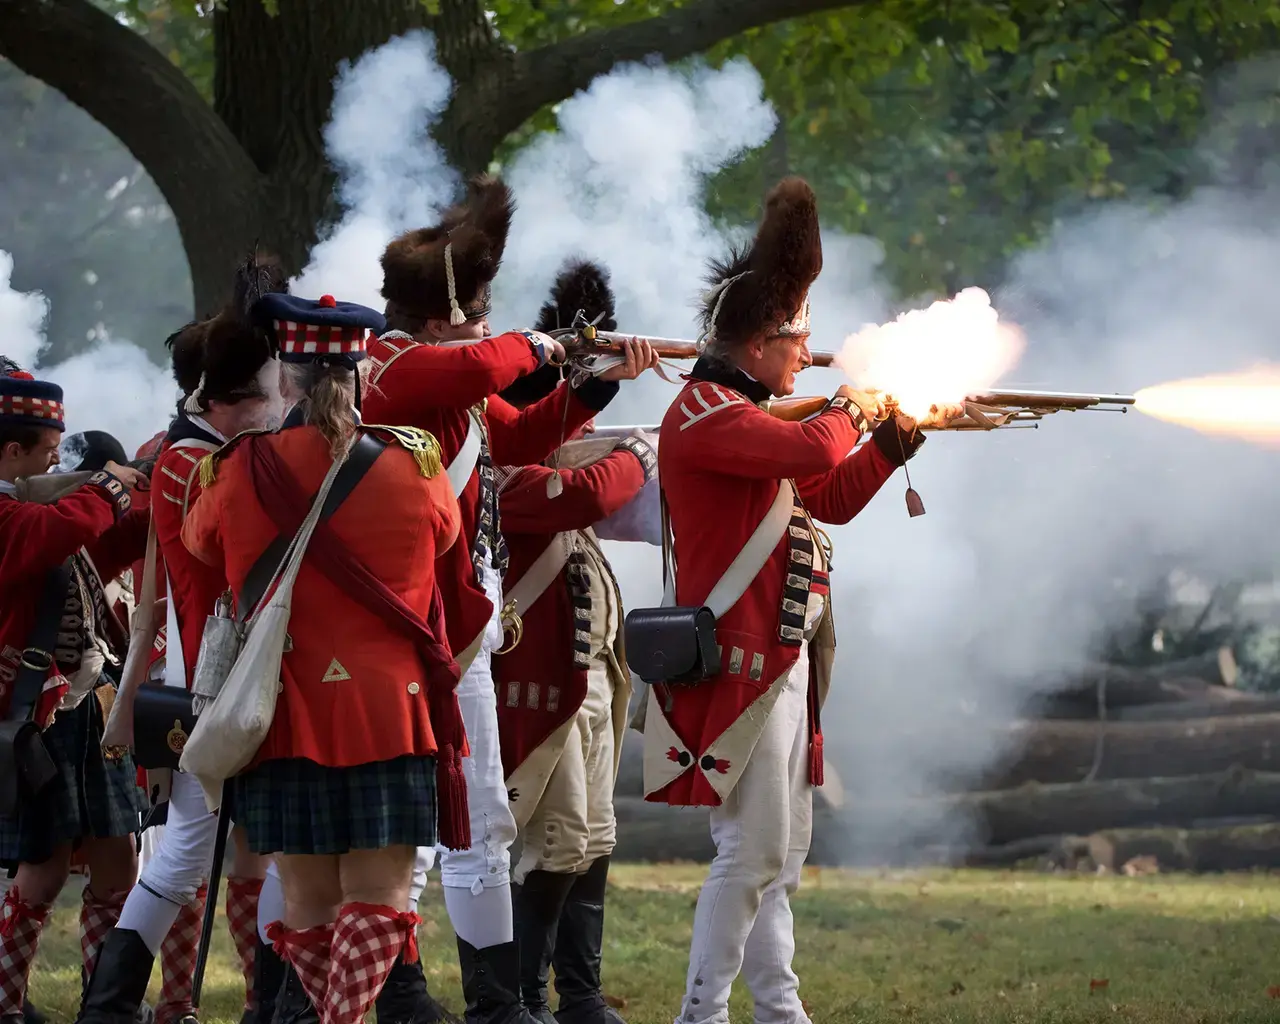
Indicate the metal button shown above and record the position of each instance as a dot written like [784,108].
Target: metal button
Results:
[697,981]
[414,688]
[693,1001]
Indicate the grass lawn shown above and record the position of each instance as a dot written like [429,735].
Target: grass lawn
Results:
[899,946]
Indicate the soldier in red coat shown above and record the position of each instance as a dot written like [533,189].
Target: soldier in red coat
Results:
[439,370]
[747,742]
[367,739]
[61,539]
[563,689]
[231,382]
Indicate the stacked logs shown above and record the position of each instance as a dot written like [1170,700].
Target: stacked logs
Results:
[1169,765]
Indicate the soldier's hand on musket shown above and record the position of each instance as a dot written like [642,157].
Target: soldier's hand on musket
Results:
[127,475]
[870,402]
[939,415]
[639,356]
[549,350]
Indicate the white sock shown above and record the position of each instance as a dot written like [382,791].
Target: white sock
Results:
[150,916]
[483,919]
[270,901]
[421,865]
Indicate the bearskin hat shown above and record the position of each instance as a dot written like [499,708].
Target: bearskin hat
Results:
[446,271]
[580,285]
[762,290]
[218,358]
[89,451]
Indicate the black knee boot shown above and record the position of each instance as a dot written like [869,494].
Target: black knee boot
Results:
[491,983]
[30,1015]
[537,912]
[404,998]
[268,978]
[293,1005]
[119,982]
[579,941]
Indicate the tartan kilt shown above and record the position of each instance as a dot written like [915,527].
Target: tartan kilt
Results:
[295,806]
[90,798]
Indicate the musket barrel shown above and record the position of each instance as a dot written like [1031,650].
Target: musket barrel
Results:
[1056,399]
[682,348]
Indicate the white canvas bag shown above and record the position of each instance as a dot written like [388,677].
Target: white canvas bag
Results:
[230,730]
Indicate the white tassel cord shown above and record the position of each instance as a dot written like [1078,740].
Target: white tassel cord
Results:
[456,316]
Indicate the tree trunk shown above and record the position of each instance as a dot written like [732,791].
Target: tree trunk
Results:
[1210,677]
[1240,848]
[273,89]
[1064,751]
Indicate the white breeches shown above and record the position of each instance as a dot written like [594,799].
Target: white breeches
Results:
[181,857]
[573,824]
[762,832]
[488,862]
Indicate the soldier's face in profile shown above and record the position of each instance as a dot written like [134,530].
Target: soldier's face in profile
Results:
[778,362]
[443,332]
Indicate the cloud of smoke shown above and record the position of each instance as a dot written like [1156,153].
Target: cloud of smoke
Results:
[111,386]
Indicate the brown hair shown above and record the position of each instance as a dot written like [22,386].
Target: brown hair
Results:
[328,395]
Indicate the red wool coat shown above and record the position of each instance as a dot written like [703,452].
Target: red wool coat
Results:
[434,387]
[721,460]
[544,655]
[196,585]
[354,688]
[34,539]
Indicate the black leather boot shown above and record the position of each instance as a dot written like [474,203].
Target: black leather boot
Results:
[537,904]
[491,983]
[268,978]
[293,1005]
[579,941]
[404,998]
[119,982]
[30,1015]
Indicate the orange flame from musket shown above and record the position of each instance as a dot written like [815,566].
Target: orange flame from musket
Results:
[934,356]
[1244,405]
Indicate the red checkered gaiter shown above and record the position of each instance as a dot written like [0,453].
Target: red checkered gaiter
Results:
[242,922]
[20,927]
[367,940]
[178,961]
[308,951]
[97,918]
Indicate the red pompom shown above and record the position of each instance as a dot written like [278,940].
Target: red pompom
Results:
[20,375]
[328,300]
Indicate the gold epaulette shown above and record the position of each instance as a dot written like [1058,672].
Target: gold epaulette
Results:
[208,466]
[419,443]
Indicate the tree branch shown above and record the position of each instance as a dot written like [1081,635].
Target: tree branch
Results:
[126,85]
[509,88]
[555,72]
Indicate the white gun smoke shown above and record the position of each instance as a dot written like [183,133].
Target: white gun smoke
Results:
[1033,542]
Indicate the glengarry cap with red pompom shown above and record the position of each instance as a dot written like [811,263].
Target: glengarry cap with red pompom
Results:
[27,402]
[319,330]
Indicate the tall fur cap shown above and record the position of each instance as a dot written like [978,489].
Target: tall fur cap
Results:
[580,285]
[228,349]
[780,265]
[413,265]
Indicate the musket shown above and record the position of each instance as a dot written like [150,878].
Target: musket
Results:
[985,410]
[582,341]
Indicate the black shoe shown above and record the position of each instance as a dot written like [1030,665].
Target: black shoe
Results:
[119,983]
[579,941]
[404,998]
[30,1015]
[293,1005]
[491,984]
[268,978]
[537,904]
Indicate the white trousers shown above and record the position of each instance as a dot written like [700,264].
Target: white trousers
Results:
[743,922]
[573,824]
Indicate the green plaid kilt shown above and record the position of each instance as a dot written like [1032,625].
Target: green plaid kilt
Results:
[291,805]
[91,797]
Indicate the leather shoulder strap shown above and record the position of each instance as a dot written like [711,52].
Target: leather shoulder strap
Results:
[363,455]
[37,657]
[464,463]
[540,575]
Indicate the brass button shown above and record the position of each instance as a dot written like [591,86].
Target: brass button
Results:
[414,688]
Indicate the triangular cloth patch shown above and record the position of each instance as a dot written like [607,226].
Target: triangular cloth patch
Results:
[335,673]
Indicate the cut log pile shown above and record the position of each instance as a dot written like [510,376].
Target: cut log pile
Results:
[1164,768]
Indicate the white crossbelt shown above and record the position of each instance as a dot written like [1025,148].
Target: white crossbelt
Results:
[541,574]
[464,463]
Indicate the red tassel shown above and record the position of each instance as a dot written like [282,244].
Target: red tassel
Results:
[816,774]
[411,922]
[453,816]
